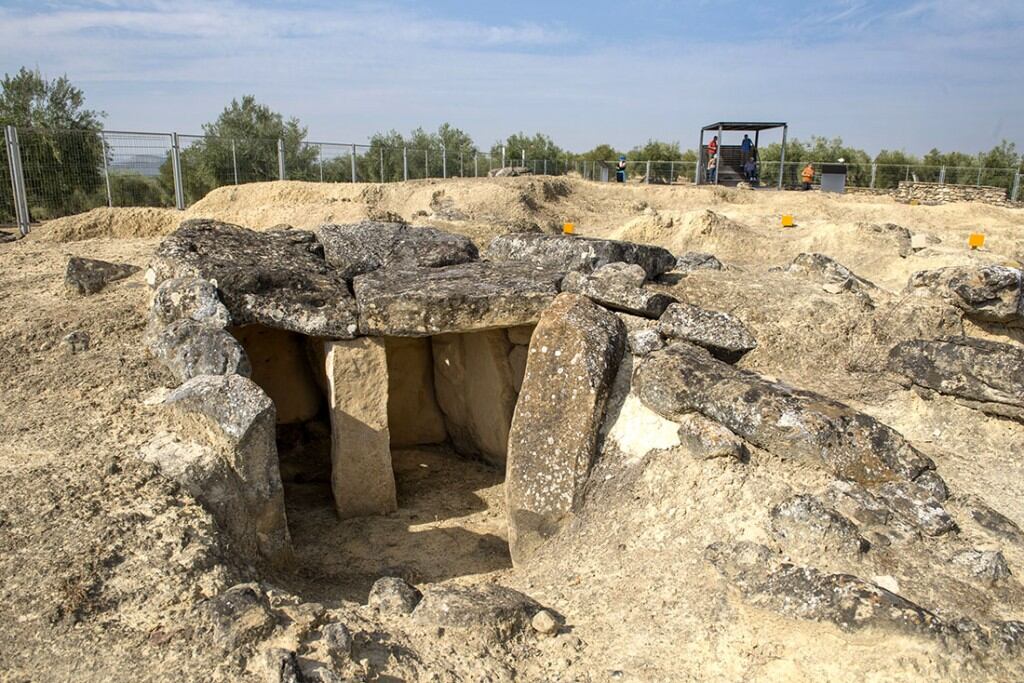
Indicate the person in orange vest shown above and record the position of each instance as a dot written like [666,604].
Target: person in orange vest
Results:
[808,176]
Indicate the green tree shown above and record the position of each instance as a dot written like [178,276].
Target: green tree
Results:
[602,152]
[893,166]
[246,134]
[537,147]
[61,152]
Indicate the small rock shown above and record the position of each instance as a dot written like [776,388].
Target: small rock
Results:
[987,565]
[391,594]
[695,260]
[706,439]
[489,613]
[283,666]
[545,622]
[931,482]
[7,236]
[338,639]
[88,276]
[642,342]
[77,341]
[189,349]
[803,520]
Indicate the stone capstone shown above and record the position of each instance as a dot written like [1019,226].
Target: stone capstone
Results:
[987,293]
[188,349]
[986,374]
[720,333]
[359,248]
[489,613]
[279,279]
[565,253]
[479,295]
[88,276]
[574,355]
[684,378]
[226,455]
[619,286]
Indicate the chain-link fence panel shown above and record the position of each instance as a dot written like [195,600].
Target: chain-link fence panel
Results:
[139,169]
[209,162]
[63,172]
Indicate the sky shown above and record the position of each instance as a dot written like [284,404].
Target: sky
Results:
[880,74]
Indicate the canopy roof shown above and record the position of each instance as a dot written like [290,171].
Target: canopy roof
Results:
[744,125]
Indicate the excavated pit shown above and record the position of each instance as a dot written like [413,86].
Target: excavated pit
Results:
[392,452]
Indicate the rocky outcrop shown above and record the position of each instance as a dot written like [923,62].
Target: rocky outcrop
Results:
[985,374]
[509,172]
[279,279]
[565,253]
[226,455]
[358,248]
[720,333]
[574,354]
[471,296]
[684,378]
[619,286]
[826,271]
[987,293]
[899,236]
[88,276]
[188,349]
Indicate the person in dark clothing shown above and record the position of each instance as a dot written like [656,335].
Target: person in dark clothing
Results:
[745,148]
[620,170]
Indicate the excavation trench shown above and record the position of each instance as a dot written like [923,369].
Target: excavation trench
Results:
[392,452]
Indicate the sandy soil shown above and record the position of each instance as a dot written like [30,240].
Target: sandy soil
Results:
[85,529]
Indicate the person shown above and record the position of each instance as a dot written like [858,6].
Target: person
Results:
[750,169]
[712,169]
[808,176]
[745,147]
[713,147]
[620,171]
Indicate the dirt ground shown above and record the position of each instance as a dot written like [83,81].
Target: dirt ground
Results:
[99,555]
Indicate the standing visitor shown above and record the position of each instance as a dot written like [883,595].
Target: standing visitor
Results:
[712,169]
[713,147]
[745,148]
[808,176]
[620,171]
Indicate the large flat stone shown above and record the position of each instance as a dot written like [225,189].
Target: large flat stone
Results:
[362,476]
[357,248]
[619,286]
[88,276]
[417,302]
[278,279]
[790,422]
[987,372]
[988,293]
[566,253]
[720,333]
[574,355]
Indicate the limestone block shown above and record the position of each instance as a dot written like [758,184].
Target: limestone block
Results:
[280,365]
[574,355]
[476,391]
[361,473]
[226,455]
[413,414]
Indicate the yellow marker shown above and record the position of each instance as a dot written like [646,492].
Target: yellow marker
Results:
[914,202]
[568,228]
[787,221]
[976,240]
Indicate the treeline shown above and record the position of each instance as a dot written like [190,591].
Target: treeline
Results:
[64,170]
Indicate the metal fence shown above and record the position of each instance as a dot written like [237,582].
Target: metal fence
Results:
[45,174]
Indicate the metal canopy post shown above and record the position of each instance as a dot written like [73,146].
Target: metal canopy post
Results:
[782,155]
[698,178]
[718,156]
[17,179]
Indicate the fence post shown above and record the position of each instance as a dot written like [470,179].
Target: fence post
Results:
[503,156]
[906,177]
[352,157]
[462,169]
[179,186]
[1015,192]
[671,172]
[444,161]
[320,159]
[382,165]
[942,175]
[405,163]
[476,165]
[17,179]
[545,167]
[523,157]
[234,160]
[106,169]
[648,172]
[426,163]
[280,159]
[979,176]
[874,172]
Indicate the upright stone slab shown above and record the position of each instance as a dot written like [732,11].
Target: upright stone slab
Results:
[476,390]
[414,417]
[362,477]
[574,354]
